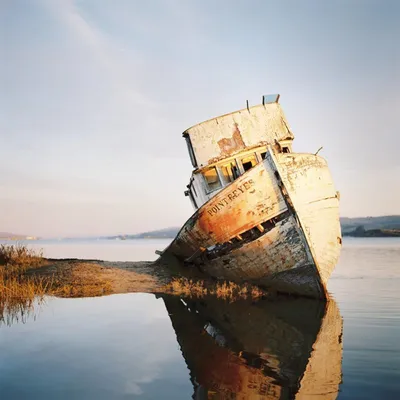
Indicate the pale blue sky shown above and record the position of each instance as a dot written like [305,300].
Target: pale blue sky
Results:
[94,96]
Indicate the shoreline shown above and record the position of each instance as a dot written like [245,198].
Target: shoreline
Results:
[25,274]
[83,278]
[73,278]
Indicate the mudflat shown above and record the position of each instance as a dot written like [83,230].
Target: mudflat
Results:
[80,278]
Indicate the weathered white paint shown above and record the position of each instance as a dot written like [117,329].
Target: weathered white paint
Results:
[286,207]
[200,193]
[250,200]
[230,134]
[310,186]
[298,254]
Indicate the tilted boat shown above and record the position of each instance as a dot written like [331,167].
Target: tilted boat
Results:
[264,214]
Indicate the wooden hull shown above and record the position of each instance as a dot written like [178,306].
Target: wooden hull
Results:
[276,226]
[264,350]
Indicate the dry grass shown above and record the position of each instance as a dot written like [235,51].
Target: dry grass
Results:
[18,291]
[225,290]
[186,287]
[26,277]
[17,296]
[16,259]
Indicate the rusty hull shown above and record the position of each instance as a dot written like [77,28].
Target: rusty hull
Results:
[276,226]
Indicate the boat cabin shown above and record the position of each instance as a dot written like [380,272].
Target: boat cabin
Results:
[223,148]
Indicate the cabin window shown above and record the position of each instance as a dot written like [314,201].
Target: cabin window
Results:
[230,172]
[285,149]
[212,179]
[249,162]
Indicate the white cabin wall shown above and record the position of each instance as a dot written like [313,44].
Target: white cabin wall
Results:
[199,193]
[198,185]
[232,133]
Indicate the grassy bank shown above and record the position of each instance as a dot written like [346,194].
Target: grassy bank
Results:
[17,290]
[26,276]
[25,273]
[16,259]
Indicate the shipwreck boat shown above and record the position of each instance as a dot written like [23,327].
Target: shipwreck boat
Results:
[282,349]
[264,214]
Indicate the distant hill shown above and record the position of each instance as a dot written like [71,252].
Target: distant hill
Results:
[14,236]
[158,234]
[388,225]
[5,235]
[387,222]
[362,232]
[366,227]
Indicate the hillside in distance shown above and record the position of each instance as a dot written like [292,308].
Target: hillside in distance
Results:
[389,225]
[14,236]
[157,234]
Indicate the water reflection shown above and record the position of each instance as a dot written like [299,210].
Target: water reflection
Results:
[15,309]
[281,349]
[289,348]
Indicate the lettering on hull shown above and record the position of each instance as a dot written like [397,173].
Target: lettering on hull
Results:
[245,186]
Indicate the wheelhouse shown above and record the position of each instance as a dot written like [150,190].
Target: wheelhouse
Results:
[226,147]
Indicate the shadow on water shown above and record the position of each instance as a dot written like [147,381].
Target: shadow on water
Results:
[282,349]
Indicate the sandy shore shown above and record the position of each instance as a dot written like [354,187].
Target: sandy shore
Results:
[80,278]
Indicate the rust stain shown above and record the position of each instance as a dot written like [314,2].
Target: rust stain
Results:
[238,207]
[230,145]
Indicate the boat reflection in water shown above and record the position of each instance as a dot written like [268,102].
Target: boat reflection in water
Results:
[281,349]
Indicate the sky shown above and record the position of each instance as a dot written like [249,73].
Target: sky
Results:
[95,95]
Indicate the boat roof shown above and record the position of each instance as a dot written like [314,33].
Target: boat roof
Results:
[266,99]
[229,134]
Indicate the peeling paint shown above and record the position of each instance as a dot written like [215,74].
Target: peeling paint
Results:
[275,225]
[231,145]
[236,131]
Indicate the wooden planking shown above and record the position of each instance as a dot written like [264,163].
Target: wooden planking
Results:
[250,200]
[277,259]
[310,186]
[279,249]
[283,257]
[323,229]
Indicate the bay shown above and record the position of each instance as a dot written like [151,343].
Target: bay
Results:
[161,347]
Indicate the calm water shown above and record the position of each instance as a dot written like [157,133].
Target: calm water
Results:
[147,347]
